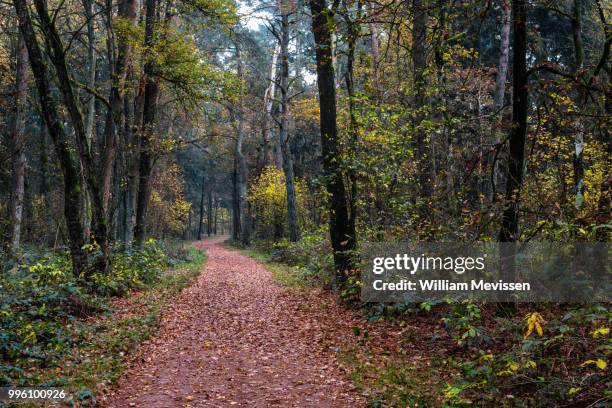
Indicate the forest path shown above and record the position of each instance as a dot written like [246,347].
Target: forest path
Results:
[236,338]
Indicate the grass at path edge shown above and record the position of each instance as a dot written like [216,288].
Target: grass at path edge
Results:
[289,276]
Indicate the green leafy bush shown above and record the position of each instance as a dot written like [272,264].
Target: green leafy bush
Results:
[312,253]
[40,296]
[549,363]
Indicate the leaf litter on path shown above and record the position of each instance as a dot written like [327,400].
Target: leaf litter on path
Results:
[236,338]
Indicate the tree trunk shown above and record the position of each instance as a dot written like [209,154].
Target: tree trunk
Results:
[419,64]
[268,104]
[284,126]
[240,162]
[375,50]
[514,173]
[578,163]
[151,93]
[216,215]
[209,213]
[201,220]
[57,56]
[91,69]
[116,115]
[351,40]
[73,188]
[342,236]
[91,106]
[500,85]
[509,232]
[235,202]
[18,144]
[504,52]
[132,156]
[47,237]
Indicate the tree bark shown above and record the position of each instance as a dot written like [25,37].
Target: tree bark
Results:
[509,231]
[419,64]
[284,126]
[268,105]
[504,53]
[216,215]
[151,93]
[500,85]
[57,55]
[242,172]
[201,219]
[578,163]
[73,188]
[91,69]
[209,214]
[342,236]
[236,232]
[18,144]
[351,40]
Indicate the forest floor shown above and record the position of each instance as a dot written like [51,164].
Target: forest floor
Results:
[238,338]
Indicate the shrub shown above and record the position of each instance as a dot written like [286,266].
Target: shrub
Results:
[40,296]
[560,361]
[312,253]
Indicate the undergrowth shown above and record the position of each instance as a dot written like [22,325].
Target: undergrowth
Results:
[56,332]
[541,356]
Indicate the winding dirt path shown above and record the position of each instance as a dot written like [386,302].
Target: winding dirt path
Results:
[236,338]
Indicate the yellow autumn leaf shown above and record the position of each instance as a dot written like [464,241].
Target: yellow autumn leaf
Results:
[601,331]
[601,364]
[534,321]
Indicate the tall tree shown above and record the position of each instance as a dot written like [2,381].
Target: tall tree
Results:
[18,143]
[500,80]
[56,51]
[284,124]
[149,114]
[419,66]
[509,231]
[268,105]
[578,162]
[128,12]
[352,36]
[73,187]
[201,215]
[342,236]
[241,216]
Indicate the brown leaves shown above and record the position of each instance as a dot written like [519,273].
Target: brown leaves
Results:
[235,338]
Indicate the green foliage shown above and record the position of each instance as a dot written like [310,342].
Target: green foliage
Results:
[464,321]
[221,11]
[312,254]
[297,264]
[184,68]
[548,363]
[41,303]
